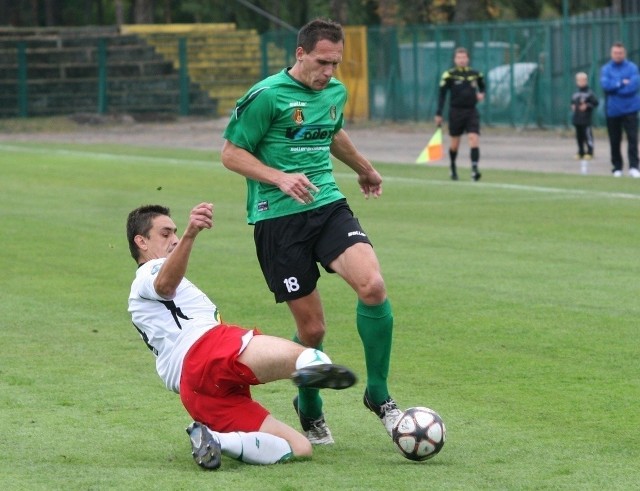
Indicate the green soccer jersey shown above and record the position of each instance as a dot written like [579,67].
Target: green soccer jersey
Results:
[289,127]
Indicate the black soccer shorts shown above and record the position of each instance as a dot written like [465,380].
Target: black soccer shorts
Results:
[463,120]
[289,247]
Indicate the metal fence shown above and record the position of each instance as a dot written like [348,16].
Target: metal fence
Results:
[529,67]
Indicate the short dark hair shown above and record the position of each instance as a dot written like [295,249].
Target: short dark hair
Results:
[139,222]
[317,30]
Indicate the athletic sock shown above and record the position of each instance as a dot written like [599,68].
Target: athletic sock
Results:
[255,447]
[475,158]
[375,327]
[309,400]
[453,154]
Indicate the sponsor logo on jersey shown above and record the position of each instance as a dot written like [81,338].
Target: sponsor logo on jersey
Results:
[356,232]
[155,268]
[315,148]
[333,112]
[263,205]
[310,133]
[298,117]
[298,104]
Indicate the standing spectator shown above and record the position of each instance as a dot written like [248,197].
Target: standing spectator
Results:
[582,103]
[466,87]
[280,138]
[620,81]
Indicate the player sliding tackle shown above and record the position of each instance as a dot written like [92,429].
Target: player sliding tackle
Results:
[212,364]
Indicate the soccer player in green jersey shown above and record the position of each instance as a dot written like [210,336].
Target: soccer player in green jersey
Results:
[280,137]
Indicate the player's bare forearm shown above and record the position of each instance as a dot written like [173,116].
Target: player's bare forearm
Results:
[344,150]
[244,163]
[296,185]
[175,266]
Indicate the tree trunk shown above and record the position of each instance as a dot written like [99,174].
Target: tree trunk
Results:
[166,11]
[119,12]
[5,13]
[35,18]
[50,12]
[100,12]
[143,12]
[339,11]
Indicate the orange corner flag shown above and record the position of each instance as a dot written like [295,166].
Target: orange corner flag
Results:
[433,150]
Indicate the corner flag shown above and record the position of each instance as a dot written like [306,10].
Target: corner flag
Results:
[433,150]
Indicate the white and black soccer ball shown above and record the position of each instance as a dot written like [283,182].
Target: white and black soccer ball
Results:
[419,433]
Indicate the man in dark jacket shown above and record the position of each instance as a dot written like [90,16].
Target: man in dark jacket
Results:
[466,87]
[620,81]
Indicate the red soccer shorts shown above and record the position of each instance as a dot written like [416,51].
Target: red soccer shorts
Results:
[215,386]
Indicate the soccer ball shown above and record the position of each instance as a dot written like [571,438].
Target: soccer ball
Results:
[419,433]
[311,357]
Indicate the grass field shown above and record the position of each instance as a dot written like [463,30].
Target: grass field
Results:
[516,306]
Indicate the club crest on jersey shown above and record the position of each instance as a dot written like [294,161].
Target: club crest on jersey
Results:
[298,117]
[332,112]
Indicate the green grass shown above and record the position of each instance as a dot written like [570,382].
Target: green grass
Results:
[515,299]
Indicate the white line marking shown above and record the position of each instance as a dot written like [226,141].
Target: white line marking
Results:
[213,164]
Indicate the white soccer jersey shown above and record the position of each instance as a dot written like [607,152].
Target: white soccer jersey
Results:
[169,327]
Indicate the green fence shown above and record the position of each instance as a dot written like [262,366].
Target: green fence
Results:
[529,67]
[47,72]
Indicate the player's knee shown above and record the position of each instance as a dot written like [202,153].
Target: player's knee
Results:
[311,335]
[301,447]
[373,291]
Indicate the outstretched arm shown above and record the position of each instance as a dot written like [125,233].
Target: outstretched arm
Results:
[175,266]
[344,150]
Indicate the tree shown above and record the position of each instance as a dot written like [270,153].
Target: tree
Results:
[527,9]
[471,10]
[579,6]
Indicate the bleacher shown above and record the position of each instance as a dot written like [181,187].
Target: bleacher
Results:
[223,60]
[63,74]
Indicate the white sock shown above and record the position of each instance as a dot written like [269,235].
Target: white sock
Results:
[255,447]
[311,356]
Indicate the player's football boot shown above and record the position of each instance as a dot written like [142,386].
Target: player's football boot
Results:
[475,175]
[388,411]
[316,430]
[453,172]
[324,376]
[205,447]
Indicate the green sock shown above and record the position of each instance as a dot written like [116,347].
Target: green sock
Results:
[375,327]
[309,400]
